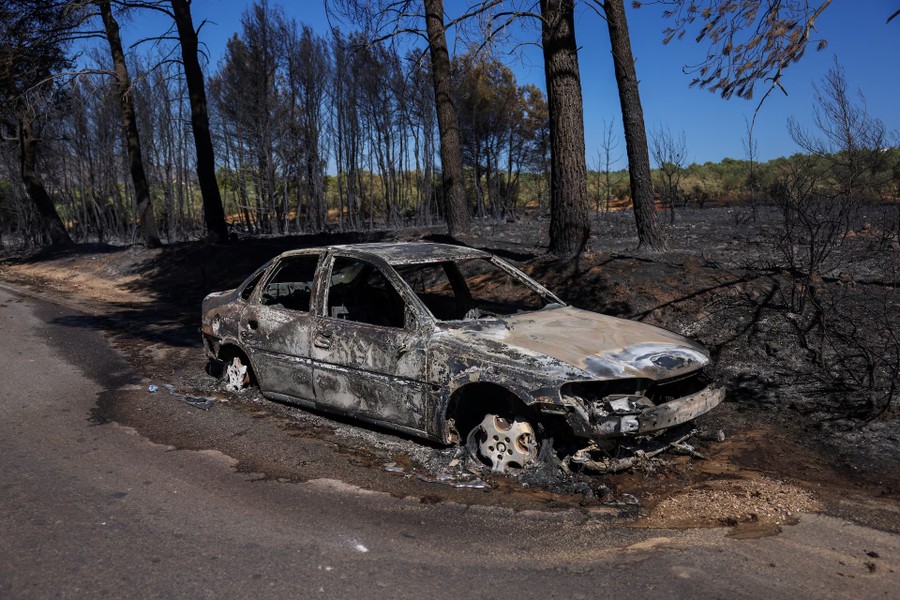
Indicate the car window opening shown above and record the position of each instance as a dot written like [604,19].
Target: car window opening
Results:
[358,291]
[470,289]
[291,285]
[251,285]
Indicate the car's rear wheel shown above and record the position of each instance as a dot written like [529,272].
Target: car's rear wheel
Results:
[504,442]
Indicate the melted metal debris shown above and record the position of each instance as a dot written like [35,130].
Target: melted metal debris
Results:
[201,402]
[442,478]
[587,460]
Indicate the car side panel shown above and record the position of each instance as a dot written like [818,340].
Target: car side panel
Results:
[369,370]
[278,343]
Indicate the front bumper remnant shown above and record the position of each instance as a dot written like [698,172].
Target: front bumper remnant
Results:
[681,410]
[662,416]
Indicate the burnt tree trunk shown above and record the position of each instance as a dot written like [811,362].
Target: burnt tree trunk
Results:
[129,122]
[53,225]
[213,213]
[649,233]
[457,209]
[569,224]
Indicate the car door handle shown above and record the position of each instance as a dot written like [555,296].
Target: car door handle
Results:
[253,324]
[322,339]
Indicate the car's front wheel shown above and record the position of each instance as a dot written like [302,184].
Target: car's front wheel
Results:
[504,442]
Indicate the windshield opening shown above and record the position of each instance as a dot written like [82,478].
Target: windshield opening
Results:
[473,288]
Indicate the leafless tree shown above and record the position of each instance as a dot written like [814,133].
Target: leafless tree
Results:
[607,156]
[248,91]
[189,50]
[347,132]
[33,41]
[143,205]
[820,192]
[670,155]
[309,74]
[751,151]
[387,19]
[849,140]
[422,119]
[214,213]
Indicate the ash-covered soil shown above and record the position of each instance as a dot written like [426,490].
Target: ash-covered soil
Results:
[795,441]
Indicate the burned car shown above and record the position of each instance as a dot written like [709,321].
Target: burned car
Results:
[455,345]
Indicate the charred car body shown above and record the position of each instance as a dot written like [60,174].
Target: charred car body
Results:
[455,345]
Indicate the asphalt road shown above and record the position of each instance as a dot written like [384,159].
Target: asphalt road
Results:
[92,510]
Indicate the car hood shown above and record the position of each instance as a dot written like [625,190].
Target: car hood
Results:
[602,347]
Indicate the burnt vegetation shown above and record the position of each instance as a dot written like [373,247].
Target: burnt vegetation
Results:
[786,268]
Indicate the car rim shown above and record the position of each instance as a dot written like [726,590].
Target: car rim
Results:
[237,376]
[505,443]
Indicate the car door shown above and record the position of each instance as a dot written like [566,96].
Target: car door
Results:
[369,357]
[276,327]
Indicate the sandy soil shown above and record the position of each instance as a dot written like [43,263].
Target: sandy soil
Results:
[789,448]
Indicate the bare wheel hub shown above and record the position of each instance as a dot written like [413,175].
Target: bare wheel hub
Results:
[236,376]
[506,443]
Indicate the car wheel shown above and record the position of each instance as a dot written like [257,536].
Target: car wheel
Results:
[237,375]
[503,442]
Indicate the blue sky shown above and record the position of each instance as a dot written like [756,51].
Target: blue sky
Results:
[856,33]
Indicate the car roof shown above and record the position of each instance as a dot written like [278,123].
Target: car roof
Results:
[403,253]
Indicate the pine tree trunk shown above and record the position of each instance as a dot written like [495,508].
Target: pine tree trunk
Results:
[448,121]
[649,232]
[213,212]
[570,227]
[129,122]
[53,225]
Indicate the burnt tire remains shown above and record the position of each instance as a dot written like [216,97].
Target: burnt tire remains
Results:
[504,443]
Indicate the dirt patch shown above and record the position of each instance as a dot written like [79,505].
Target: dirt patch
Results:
[729,502]
[96,274]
